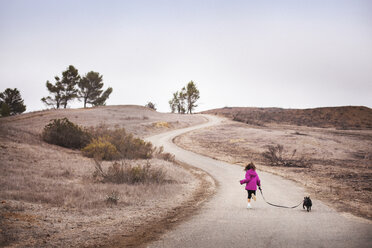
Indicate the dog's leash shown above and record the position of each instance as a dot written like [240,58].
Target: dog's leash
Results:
[279,206]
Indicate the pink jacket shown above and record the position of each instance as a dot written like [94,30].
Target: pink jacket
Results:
[251,180]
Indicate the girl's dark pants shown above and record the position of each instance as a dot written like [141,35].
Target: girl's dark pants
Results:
[250,192]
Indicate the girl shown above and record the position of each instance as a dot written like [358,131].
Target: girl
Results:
[251,180]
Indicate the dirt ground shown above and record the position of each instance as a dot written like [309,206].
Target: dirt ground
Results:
[48,196]
[341,171]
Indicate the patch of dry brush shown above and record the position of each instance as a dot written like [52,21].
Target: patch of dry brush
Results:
[125,172]
[276,156]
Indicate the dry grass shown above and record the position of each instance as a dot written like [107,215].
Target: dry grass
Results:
[62,179]
[59,185]
[340,174]
[349,117]
[130,172]
[50,198]
[137,120]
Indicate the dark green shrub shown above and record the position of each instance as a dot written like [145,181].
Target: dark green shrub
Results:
[64,133]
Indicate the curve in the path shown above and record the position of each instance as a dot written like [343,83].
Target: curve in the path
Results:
[224,221]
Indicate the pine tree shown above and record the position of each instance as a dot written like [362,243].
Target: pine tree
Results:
[173,103]
[11,102]
[178,102]
[70,79]
[187,96]
[64,89]
[181,101]
[57,91]
[192,95]
[91,89]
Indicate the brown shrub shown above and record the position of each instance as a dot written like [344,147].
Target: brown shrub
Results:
[101,149]
[124,172]
[275,156]
[127,146]
[160,154]
[113,198]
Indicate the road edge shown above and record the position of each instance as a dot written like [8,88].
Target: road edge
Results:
[154,229]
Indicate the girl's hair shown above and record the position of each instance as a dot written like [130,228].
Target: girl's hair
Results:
[250,166]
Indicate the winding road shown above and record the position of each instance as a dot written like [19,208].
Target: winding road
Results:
[224,221]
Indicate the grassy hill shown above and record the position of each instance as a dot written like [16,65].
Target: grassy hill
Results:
[51,195]
[347,117]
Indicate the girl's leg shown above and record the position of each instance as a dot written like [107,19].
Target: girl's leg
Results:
[254,196]
[249,199]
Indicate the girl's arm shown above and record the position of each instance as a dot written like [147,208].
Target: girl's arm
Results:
[244,181]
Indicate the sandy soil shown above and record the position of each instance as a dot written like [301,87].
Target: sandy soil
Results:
[49,198]
[341,173]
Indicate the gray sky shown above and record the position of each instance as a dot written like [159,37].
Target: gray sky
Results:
[291,54]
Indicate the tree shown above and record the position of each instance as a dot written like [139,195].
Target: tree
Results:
[70,78]
[11,102]
[187,96]
[181,101]
[150,105]
[57,92]
[178,102]
[91,89]
[5,110]
[173,102]
[64,90]
[192,95]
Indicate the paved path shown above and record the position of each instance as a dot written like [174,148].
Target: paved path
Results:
[224,221]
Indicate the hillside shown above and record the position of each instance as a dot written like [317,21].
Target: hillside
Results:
[139,120]
[50,197]
[348,117]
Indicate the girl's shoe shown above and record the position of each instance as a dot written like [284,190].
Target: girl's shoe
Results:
[249,205]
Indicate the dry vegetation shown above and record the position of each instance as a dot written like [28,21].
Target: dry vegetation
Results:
[338,162]
[350,117]
[53,196]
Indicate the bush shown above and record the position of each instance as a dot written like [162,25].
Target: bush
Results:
[160,154]
[127,146]
[126,173]
[150,105]
[275,156]
[100,142]
[101,149]
[4,109]
[112,198]
[64,133]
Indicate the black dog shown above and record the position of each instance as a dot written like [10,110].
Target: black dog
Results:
[307,203]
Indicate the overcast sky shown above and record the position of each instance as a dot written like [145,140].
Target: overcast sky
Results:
[290,54]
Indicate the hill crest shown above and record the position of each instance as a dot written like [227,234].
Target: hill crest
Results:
[345,117]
